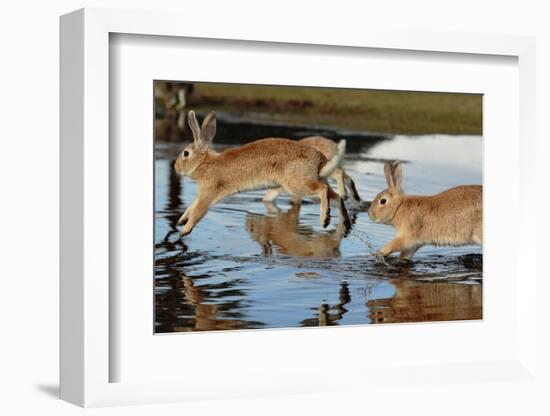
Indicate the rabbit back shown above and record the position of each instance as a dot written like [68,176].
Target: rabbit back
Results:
[453,217]
[261,164]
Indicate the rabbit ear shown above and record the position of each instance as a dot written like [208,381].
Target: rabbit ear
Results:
[388,172]
[194,125]
[208,130]
[397,175]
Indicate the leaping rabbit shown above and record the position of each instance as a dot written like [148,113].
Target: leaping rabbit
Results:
[270,163]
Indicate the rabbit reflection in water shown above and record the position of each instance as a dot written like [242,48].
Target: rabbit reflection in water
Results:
[282,230]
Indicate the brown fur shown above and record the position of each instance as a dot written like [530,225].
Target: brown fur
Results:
[330,150]
[451,218]
[326,146]
[263,164]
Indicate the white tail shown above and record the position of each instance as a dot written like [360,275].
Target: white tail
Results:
[333,163]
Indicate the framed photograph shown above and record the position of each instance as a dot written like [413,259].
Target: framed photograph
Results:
[252,215]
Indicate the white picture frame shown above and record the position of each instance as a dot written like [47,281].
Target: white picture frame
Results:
[86,356]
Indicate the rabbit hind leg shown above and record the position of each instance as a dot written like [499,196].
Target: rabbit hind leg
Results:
[338,175]
[342,211]
[272,194]
[311,187]
[351,185]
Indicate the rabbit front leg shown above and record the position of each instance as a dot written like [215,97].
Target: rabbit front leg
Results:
[185,216]
[397,244]
[198,208]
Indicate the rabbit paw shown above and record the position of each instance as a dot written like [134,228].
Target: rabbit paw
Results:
[378,256]
[184,232]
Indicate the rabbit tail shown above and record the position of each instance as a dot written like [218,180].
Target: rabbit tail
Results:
[333,163]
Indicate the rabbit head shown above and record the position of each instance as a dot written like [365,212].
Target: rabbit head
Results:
[385,204]
[193,154]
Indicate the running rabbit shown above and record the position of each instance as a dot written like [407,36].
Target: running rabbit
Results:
[450,218]
[263,164]
[331,150]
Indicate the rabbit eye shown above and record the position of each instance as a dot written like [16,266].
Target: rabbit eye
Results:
[382,201]
[185,153]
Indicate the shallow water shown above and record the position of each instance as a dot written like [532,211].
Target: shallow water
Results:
[248,265]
